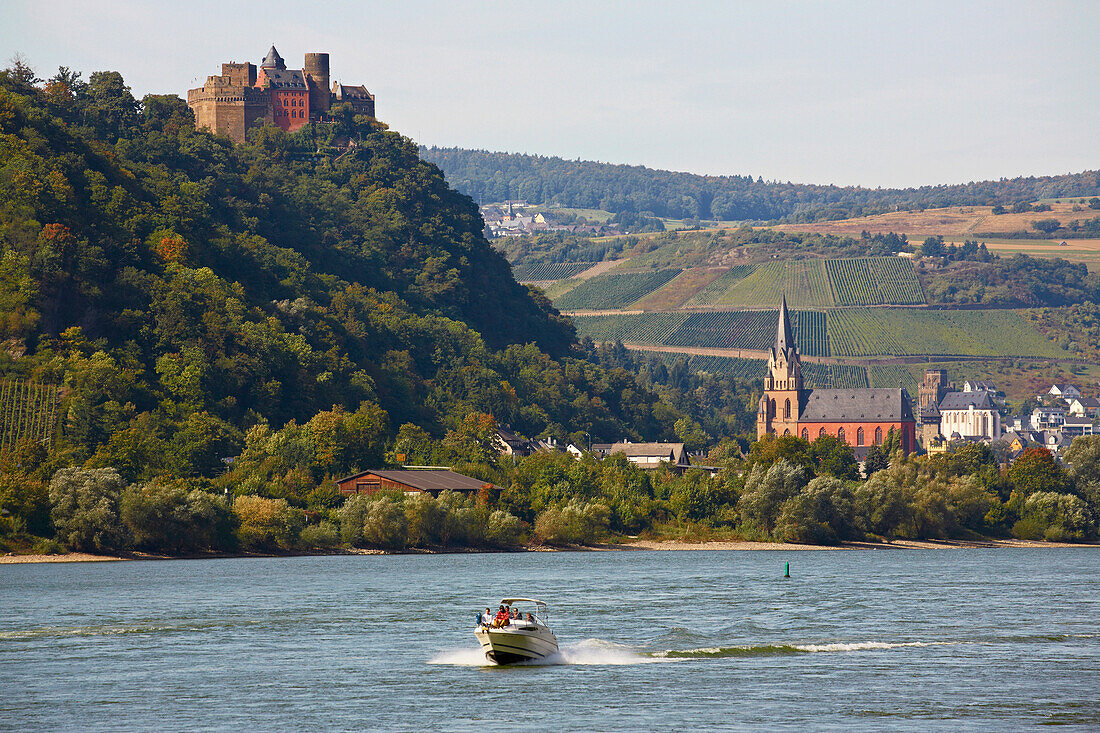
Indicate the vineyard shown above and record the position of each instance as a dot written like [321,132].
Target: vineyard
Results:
[802,281]
[891,375]
[910,332]
[710,293]
[547,271]
[874,281]
[28,412]
[636,328]
[751,330]
[834,376]
[614,290]
[817,376]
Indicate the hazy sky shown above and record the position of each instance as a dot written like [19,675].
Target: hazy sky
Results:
[872,93]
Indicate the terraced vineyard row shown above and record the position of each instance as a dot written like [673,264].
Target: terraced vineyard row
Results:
[874,281]
[614,290]
[636,328]
[817,376]
[908,332]
[546,271]
[710,293]
[27,412]
[891,375]
[834,376]
[803,282]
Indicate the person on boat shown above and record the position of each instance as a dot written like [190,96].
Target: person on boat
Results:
[502,617]
[530,618]
[486,618]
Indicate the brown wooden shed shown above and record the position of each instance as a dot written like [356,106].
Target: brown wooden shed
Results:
[411,482]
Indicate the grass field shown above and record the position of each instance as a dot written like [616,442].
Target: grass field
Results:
[908,332]
[545,271]
[802,281]
[679,289]
[614,290]
[874,281]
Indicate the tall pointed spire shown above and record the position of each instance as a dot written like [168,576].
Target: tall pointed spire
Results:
[784,338]
[273,60]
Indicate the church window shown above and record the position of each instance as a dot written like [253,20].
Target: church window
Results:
[771,408]
[787,410]
[805,434]
[787,432]
[859,437]
[821,433]
[878,436]
[840,435]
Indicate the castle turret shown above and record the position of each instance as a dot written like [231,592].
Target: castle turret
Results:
[273,60]
[316,68]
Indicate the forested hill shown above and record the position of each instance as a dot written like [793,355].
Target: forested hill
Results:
[486,176]
[184,291]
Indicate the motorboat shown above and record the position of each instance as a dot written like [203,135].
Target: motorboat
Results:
[525,638]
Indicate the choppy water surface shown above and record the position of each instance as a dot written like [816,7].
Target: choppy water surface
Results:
[917,640]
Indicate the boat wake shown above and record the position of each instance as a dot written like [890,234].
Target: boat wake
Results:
[587,652]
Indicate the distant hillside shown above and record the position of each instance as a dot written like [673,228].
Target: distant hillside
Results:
[486,176]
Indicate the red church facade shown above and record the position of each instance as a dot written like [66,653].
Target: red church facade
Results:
[859,417]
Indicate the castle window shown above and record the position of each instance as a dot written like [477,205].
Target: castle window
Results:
[787,410]
[840,435]
[805,434]
[821,433]
[859,437]
[878,436]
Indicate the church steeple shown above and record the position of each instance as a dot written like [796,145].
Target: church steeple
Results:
[783,338]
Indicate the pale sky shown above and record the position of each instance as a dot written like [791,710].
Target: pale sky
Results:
[870,93]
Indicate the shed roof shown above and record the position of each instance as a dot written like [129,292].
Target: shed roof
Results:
[856,405]
[964,400]
[672,451]
[428,480]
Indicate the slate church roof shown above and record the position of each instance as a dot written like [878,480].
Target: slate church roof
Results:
[963,401]
[857,405]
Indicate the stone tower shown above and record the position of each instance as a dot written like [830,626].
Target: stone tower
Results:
[783,390]
[316,69]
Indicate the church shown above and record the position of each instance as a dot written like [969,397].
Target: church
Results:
[859,417]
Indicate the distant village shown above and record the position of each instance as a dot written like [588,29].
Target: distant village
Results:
[515,219]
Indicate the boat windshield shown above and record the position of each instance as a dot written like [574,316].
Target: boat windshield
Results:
[521,612]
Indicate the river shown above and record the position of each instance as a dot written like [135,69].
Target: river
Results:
[877,639]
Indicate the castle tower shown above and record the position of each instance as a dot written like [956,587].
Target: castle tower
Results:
[783,393]
[316,69]
[273,60]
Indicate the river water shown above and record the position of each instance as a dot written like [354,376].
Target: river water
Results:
[900,640]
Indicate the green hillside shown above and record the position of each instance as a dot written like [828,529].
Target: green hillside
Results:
[199,300]
[614,290]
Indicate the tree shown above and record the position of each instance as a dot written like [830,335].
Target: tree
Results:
[1083,459]
[876,460]
[834,457]
[1036,470]
[765,492]
[998,210]
[1045,225]
[932,247]
[85,509]
[692,434]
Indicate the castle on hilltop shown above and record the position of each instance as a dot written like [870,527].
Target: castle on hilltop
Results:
[859,417]
[242,98]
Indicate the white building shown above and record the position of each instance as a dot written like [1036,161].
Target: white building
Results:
[969,415]
[1084,406]
[1064,391]
[1047,418]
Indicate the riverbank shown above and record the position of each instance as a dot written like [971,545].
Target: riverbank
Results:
[634,545]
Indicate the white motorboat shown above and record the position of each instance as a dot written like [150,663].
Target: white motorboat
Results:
[525,638]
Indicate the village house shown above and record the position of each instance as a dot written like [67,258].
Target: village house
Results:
[1047,418]
[1084,407]
[646,455]
[411,481]
[975,385]
[1062,392]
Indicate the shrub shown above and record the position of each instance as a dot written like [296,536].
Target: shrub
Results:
[576,523]
[765,492]
[84,509]
[384,524]
[351,516]
[267,524]
[822,513]
[323,536]
[504,529]
[1055,517]
[26,501]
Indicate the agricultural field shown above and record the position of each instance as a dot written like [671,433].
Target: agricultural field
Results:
[750,330]
[28,412]
[893,376]
[680,288]
[834,376]
[636,328]
[710,293]
[803,282]
[911,332]
[613,290]
[874,281]
[547,271]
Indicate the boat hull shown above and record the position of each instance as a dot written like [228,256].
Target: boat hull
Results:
[511,646]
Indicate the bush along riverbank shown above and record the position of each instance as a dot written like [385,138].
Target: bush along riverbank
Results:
[784,490]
